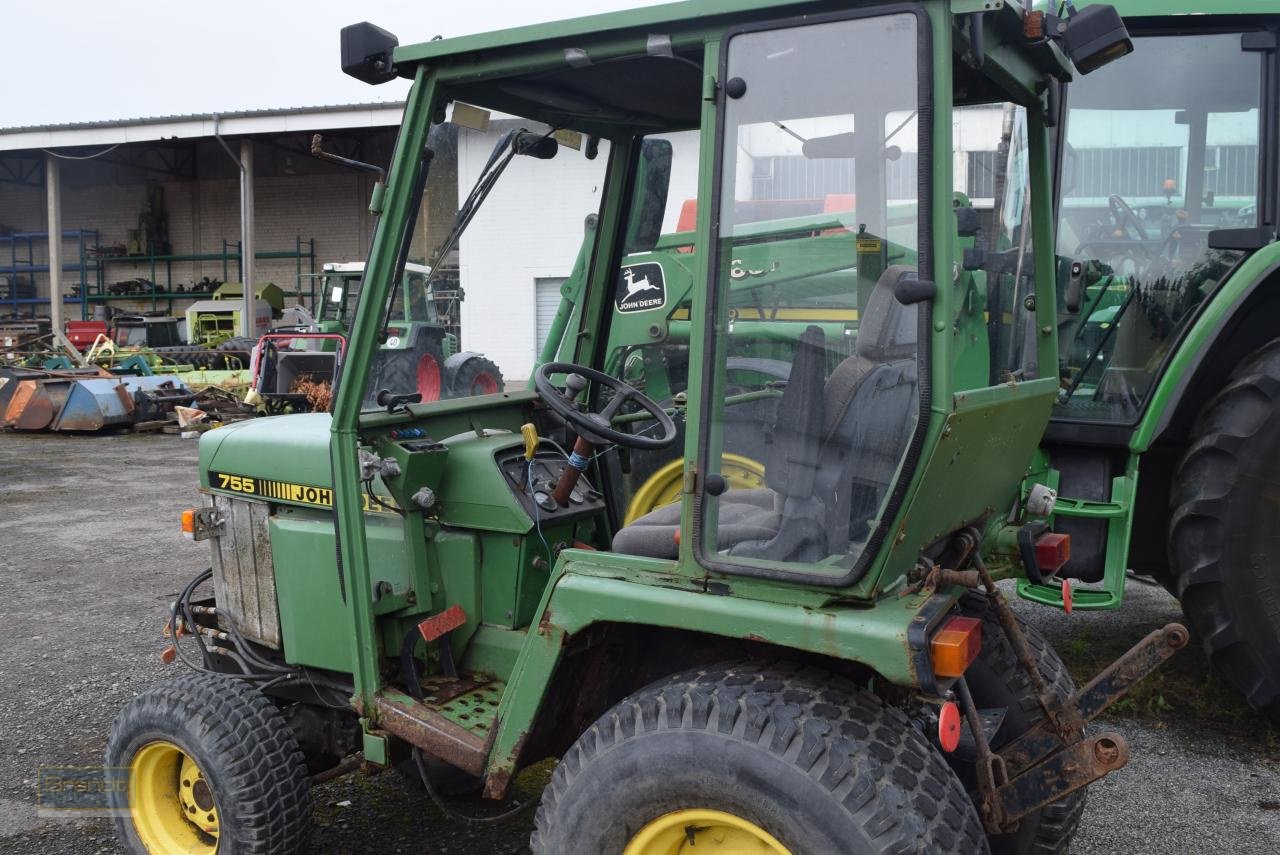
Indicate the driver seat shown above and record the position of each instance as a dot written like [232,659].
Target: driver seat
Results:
[825,449]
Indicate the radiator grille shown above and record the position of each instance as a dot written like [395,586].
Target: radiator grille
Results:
[244,577]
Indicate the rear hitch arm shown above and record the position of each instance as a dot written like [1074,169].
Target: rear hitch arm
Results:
[1043,767]
[1054,758]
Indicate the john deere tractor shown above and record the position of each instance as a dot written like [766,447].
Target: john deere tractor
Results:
[1163,445]
[818,663]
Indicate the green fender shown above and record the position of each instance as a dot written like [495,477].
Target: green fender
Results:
[887,637]
[1182,367]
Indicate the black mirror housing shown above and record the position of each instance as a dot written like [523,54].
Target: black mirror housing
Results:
[540,146]
[366,53]
[1095,36]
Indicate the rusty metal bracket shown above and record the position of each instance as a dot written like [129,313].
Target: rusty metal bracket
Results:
[989,766]
[1062,717]
[1059,775]
[1101,692]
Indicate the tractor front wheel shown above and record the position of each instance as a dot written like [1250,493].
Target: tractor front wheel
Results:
[1223,532]
[754,757]
[476,376]
[211,766]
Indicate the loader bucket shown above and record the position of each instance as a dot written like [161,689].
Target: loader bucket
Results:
[93,405]
[36,403]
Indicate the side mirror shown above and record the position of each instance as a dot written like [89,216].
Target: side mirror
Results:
[366,53]
[649,204]
[1095,36]
[535,145]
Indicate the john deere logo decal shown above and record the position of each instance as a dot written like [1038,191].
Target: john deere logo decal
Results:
[641,287]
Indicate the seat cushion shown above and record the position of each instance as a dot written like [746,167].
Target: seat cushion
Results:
[744,515]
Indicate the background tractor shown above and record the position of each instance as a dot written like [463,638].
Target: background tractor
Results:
[817,662]
[1164,443]
[421,347]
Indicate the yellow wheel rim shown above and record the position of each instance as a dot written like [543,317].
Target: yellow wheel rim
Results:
[171,802]
[698,831]
[663,486]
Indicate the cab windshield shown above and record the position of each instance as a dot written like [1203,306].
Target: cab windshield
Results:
[1160,150]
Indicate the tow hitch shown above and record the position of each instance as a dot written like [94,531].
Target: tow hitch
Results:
[1055,757]
[1041,770]
[1045,764]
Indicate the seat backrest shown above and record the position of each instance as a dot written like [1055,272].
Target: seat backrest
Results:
[868,404]
[796,438]
[886,333]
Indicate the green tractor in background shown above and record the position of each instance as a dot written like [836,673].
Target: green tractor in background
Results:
[1163,446]
[814,663]
[421,347]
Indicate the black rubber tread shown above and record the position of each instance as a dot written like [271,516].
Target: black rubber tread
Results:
[996,678]
[818,762]
[462,381]
[1224,539]
[239,342]
[399,368]
[241,742]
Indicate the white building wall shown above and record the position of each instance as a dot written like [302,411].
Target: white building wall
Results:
[530,226]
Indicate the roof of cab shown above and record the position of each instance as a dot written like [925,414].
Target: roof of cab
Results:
[689,13]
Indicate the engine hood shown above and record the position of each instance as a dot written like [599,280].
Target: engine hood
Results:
[292,449]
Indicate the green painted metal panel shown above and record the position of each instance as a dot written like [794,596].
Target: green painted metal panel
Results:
[311,606]
[474,493]
[1202,334]
[292,448]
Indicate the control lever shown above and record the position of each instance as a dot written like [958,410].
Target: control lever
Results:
[395,402]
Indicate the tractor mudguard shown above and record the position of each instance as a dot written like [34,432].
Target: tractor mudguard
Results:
[890,638]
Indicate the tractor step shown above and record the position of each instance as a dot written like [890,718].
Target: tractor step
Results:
[1085,599]
[453,722]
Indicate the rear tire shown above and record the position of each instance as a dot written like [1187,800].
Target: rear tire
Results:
[801,757]
[419,370]
[1224,539]
[243,752]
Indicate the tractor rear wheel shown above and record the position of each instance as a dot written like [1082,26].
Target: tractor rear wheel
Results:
[1224,536]
[419,370]
[212,767]
[998,681]
[476,376]
[765,757]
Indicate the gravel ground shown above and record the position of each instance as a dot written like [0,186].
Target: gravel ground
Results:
[90,556]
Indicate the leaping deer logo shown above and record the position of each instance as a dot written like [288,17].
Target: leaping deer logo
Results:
[635,286]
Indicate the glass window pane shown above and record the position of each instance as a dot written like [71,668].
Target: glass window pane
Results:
[1160,150]
[815,359]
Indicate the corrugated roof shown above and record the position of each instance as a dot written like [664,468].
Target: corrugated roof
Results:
[190,117]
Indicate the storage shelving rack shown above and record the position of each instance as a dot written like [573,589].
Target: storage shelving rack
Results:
[304,249]
[21,261]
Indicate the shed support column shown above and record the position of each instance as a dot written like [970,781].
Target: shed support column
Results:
[247,276]
[53,186]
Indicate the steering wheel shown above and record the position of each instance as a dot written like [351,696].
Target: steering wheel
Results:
[1124,216]
[597,425]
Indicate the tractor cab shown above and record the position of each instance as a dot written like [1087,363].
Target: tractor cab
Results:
[339,292]
[736,520]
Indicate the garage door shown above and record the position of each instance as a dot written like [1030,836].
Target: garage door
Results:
[548,301]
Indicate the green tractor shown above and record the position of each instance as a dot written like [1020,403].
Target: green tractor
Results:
[420,351]
[819,662]
[1163,446]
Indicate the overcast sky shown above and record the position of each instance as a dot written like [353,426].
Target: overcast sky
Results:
[79,61]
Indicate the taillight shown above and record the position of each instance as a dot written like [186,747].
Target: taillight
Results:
[1053,549]
[189,523]
[955,645]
